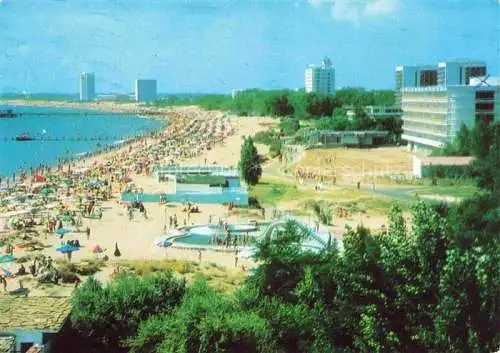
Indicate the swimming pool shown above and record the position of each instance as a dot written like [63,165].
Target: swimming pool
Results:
[200,235]
[238,196]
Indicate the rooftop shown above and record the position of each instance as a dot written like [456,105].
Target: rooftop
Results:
[7,344]
[444,160]
[34,313]
[197,169]
[354,133]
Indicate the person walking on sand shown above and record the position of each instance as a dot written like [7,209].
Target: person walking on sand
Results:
[199,256]
[236,259]
[87,231]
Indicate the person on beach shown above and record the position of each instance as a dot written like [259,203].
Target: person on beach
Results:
[236,259]
[87,231]
[199,256]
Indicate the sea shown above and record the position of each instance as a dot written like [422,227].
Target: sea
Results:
[56,131]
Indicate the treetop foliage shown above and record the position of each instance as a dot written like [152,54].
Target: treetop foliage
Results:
[249,164]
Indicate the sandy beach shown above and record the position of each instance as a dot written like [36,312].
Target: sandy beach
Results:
[135,238]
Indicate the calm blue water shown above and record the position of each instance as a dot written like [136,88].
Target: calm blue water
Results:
[237,196]
[15,154]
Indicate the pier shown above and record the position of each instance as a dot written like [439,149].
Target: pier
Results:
[65,139]
[84,114]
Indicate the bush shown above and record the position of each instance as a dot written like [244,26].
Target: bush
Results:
[106,315]
[147,267]
[67,276]
[451,171]
[289,126]
[265,137]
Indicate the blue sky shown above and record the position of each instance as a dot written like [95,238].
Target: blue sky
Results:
[217,45]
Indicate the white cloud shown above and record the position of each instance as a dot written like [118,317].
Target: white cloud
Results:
[381,7]
[356,10]
[316,2]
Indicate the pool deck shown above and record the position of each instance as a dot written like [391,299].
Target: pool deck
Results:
[321,237]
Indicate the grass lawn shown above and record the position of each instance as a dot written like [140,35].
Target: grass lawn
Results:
[274,190]
[463,191]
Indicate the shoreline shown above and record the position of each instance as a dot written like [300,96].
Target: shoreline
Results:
[102,151]
[136,236]
[128,107]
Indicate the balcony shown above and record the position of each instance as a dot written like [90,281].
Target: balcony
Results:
[407,129]
[425,121]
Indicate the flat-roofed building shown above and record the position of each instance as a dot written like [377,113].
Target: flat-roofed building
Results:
[460,72]
[145,90]
[320,78]
[432,116]
[414,76]
[33,321]
[87,87]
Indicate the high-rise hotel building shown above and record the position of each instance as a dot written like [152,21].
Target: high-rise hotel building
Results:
[87,87]
[437,101]
[145,90]
[320,78]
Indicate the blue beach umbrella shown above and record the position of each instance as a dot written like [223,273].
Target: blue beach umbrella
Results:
[63,231]
[67,248]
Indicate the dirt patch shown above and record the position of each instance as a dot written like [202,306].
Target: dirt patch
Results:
[348,163]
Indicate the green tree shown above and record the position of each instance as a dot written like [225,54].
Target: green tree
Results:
[464,141]
[249,165]
[289,126]
[280,106]
[106,315]
[205,321]
[362,121]
[487,157]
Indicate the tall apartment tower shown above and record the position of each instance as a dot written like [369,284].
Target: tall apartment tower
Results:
[459,72]
[145,90]
[320,78]
[87,86]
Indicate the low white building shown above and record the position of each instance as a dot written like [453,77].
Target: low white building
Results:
[421,163]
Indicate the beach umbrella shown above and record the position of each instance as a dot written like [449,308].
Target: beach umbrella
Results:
[67,248]
[97,249]
[46,191]
[39,178]
[6,258]
[62,231]
[117,252]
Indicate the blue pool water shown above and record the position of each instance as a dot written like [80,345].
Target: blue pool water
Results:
[72,124]
[237,196]
[200,235]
